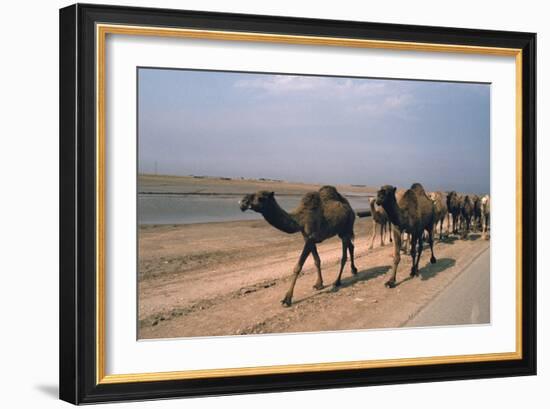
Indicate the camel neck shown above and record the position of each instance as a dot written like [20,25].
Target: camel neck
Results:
[393,211]
[280,219]
[372,208]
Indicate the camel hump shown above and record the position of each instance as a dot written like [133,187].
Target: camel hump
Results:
[311,200]
[439,196]
[399,194]
[419,189]
[330,193]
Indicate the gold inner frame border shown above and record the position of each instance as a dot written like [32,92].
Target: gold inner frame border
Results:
[102,30]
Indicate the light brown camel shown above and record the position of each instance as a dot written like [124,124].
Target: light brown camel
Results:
[485,214]
[453,207]
[413,214]
[440,210]
[379,218]
[319,216]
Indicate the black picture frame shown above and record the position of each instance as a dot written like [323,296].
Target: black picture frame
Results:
[78,356]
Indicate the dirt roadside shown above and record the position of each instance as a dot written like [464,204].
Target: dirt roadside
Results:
[228,279]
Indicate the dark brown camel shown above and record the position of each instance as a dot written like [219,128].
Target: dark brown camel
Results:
[476,217]
[319,216]
[412,213]
[467,213]
[453,207]
[485,215]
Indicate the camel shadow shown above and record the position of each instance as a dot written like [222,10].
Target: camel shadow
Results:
[398,283]
[473,236]
[364,275]
[448,240]
[431,270]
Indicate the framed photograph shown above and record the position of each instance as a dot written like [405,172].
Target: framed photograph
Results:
[258,203]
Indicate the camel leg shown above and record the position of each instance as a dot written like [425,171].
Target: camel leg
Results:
[414,240]
[431,243]
[373,234]
[485,226]
[342,261]
[389,231]
[382,233]
[287,301]
[420,248]
[396,257]
[465,227]
[455,223]
[351,248]
[319,284]
[441,229]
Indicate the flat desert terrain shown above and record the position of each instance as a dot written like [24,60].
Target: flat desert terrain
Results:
[227,278]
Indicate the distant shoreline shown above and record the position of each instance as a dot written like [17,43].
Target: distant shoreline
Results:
[236,194]
[209,185]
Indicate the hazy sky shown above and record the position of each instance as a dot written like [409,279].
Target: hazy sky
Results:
[315,129]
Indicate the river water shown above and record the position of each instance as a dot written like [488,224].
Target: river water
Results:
[186,209]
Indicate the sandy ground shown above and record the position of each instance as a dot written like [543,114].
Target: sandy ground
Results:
[228,279]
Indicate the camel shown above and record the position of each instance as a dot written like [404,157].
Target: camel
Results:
[453,207]
[319,216]
[412,213]
[405,237]
[461,223]
[476,218]
[485,214]
[380,218]
[467,213]
[440,208]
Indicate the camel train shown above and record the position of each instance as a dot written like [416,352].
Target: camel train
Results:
[411,216]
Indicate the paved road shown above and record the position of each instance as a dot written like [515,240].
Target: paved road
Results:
[465,301]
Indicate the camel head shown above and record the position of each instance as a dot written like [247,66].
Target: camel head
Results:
[384,194]
[258,201]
